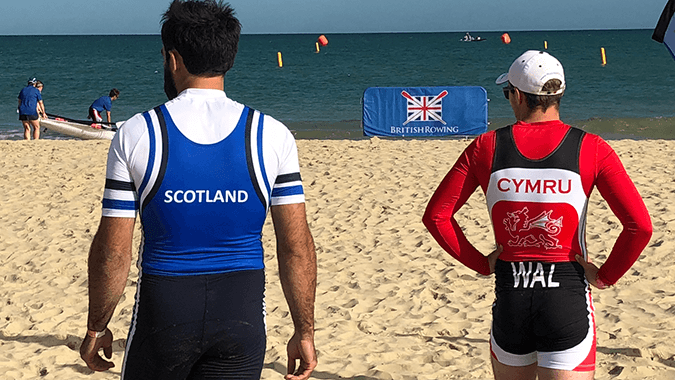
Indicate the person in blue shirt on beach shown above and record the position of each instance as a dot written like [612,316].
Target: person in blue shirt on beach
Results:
[104,103]
[31,108]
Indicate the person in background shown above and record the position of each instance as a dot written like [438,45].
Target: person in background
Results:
[202,173]
[41,105]
[31,108]
[104,103]
[537,176]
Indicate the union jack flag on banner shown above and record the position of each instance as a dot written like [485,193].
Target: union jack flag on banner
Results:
[425,108]
[425,111]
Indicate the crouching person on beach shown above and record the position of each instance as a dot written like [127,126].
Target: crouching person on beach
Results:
[537,176]
[202,173]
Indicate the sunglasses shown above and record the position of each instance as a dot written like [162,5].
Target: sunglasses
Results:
[507,90]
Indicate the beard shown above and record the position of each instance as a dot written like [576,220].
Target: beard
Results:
[169,84]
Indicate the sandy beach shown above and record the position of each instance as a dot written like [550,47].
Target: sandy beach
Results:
[391,304]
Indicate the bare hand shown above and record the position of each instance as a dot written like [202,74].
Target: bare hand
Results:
[591,272]
[89,351]
[492,258]
[303,350]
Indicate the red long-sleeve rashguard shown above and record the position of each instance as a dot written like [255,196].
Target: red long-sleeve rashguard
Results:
[599,167]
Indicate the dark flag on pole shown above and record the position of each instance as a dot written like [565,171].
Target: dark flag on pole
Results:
[665,29]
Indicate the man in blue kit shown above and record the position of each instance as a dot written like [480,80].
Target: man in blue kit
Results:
[30,108]
[201,170]
[104,103]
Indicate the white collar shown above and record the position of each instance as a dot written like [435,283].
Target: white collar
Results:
[208,92]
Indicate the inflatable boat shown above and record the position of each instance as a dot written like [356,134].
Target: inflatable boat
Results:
[88,131]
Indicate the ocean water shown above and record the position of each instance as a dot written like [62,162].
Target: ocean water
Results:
[319,94]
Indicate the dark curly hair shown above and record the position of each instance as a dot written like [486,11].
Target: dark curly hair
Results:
[205,34]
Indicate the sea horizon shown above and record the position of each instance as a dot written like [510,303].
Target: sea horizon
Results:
[336,33]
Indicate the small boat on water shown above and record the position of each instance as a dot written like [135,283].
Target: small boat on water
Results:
[79,128]
[469,38]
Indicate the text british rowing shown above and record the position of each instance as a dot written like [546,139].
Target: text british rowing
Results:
[423,130]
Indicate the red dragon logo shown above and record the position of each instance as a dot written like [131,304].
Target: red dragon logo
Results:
[542,229]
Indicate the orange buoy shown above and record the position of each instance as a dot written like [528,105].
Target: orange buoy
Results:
[603,56]
[323,40]
[506,38]
[279,60]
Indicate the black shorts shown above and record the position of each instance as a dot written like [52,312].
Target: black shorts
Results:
[197,327]
[543,313]
[28,117]
[94,115]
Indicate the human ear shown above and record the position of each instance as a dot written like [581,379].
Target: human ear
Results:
[171,60]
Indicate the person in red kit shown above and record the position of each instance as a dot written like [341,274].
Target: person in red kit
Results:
[537,176]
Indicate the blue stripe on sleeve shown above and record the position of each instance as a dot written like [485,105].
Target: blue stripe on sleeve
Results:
[286,191]
[120,205]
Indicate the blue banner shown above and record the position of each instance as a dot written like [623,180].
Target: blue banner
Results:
[424,111]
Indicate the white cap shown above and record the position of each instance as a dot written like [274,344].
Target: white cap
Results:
[532,70]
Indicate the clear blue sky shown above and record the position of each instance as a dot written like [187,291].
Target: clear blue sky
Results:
[29,17]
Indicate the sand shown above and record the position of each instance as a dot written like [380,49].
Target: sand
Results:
[391,304]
